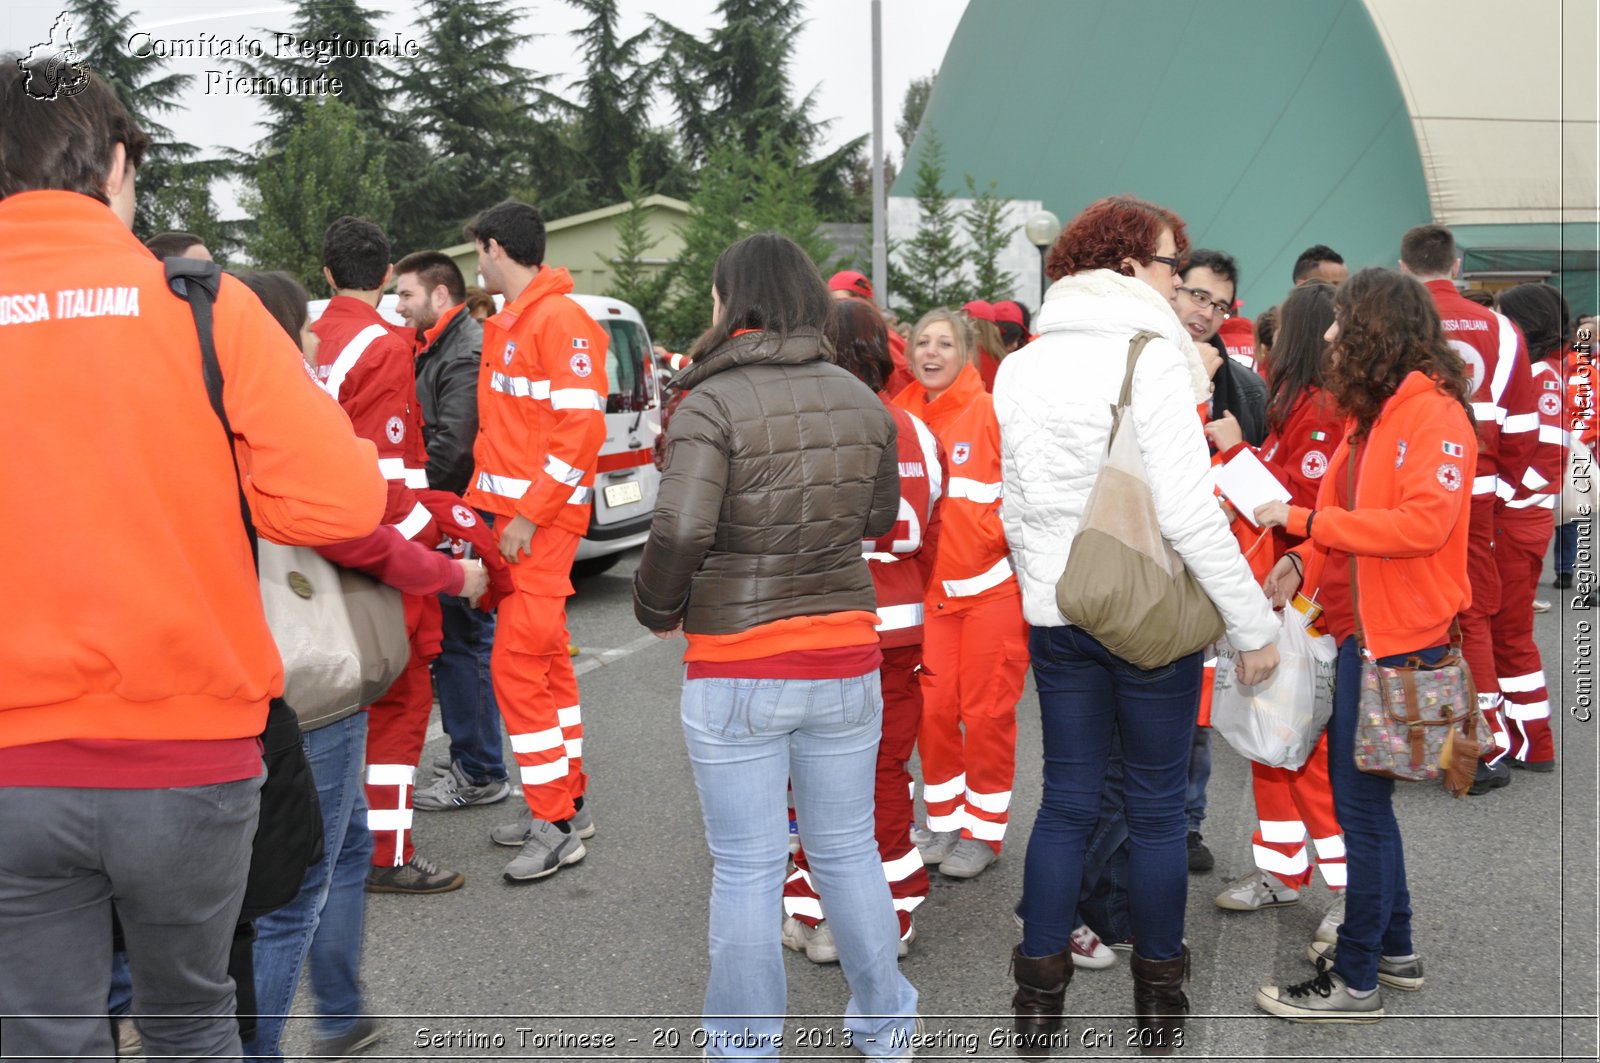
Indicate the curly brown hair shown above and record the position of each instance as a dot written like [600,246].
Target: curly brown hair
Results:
[1110,230]
[1388,328]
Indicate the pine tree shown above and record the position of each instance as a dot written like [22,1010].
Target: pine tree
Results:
[613,106]
[472,109]
[926,272]
[913,105]
[367,83]
[633,281]
[986,225]
[329,166]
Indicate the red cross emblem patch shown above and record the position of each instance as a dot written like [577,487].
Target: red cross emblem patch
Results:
[1449,475]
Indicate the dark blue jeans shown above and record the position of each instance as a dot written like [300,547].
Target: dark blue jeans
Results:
[1086,695]
[467,708]
[1377,913]
[1566,550]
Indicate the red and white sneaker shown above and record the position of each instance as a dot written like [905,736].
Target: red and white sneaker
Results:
[1089,951]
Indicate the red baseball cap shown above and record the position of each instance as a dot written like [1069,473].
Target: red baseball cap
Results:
[980,309]
[848,280]
[1006,310]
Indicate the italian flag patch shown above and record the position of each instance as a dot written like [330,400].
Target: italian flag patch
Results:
[1319,437]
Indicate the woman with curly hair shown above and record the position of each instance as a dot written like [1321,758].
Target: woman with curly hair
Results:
[1385,552]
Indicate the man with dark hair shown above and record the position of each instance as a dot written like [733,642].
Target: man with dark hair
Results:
[1209,280]
[178,245]
[1505,406]
[1319,262]
[541,420]
[138,666]
[431,297]
[365,363]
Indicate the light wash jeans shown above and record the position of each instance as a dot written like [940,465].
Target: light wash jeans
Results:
[747,738]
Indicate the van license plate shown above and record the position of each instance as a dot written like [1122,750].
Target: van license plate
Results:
[624,493]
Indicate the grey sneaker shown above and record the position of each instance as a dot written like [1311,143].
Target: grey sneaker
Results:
[969,859]
[1255,891]
[546,851]
[815,941]
[454,790]
[1321,999]
[364,1034]
[1328,929]
[415,876]
[1404,975]
[938,845]
[515,833]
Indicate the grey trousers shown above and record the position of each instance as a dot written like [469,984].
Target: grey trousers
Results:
[174,863]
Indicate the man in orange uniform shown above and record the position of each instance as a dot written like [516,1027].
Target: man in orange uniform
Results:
[365,363]
[541,420]
[137,662]
[975,643]
[1505,406]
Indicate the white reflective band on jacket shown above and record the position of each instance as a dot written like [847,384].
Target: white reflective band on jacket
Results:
[974,490]
[998,573]
[414,521]
[349,356]
[396,469]
[899,617]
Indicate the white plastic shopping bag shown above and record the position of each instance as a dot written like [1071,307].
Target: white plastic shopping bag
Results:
[1277,723]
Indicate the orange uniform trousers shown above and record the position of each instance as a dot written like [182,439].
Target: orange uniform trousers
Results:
[1521,539]
[892,814]
[1289,802]
[397,727]
[1477,637]
[533,679]
[974,661]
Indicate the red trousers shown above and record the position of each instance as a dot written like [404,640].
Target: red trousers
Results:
[1288,802]
[974,661]
[533,679]
[1477,637]
[1521,539]
[891,818]
[397,726]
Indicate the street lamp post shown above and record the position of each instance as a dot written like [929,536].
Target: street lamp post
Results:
[1042,228]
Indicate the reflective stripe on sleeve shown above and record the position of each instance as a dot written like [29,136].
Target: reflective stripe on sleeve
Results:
[519,387]
[557,469]
[1485,485]
[577,399]
[1521,422]
[505,486]
[414,521]
[1488,413]
[581,496]
[395,469]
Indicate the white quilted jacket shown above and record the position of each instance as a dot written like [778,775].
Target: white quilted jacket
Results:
[1054,399]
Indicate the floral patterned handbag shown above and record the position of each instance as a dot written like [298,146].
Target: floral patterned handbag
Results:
[1416,722]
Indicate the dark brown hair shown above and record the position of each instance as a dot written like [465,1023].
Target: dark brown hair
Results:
[1541,312]
[64,143]
[1111,230]
[1428,250]
[479,301]
[1299,356]
[434,268]
[765,282]
[860,342]
[172,245]
[1388,328]
[283,297]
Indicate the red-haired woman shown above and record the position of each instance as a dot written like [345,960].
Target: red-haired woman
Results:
[1386,554]
[1305,426]
[1115,269]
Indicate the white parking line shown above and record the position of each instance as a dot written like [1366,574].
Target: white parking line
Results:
[587,664]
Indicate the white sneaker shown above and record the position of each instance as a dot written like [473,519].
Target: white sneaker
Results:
[1256,890]
[935,845]
[1089,951]
[1328,929]
[968,859]
[815,941]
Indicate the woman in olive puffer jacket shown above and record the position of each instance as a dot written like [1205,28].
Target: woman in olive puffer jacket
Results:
[778,464]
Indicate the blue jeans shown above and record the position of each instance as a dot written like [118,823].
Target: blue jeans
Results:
[1566,557]
[1087,694]
[1194,794]
[1103,900]
[467,707]
[324,921]
[747,738]
[1377,912]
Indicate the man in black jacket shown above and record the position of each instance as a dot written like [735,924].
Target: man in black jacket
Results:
[432,299]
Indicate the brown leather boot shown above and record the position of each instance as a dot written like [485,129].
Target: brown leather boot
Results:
[1159,1003]
[1041,987]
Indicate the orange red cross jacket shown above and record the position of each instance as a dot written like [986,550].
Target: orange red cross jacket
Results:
[973,564]
[541,407]
[1408,523]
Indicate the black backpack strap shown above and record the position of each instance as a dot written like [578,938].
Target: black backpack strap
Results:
[197,281]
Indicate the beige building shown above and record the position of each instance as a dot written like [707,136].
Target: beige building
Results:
[586,244]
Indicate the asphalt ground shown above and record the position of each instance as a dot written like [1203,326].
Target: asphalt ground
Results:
[607,959]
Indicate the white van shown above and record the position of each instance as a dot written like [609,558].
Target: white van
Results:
[626,478]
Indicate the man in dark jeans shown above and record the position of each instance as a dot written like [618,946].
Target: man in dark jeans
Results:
[1203,301]
[432,299]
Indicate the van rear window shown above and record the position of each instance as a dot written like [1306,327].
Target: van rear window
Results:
[627,362]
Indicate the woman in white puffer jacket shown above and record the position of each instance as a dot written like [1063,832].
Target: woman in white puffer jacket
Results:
[1115,266]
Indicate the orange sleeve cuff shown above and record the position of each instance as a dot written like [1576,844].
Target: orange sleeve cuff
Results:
[1299,523]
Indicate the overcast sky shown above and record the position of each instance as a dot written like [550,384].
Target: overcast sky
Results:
[832,53]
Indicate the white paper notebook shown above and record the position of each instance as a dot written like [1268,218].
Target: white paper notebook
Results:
[1247,483]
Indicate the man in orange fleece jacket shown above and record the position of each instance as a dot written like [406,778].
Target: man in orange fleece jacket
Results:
[137,660]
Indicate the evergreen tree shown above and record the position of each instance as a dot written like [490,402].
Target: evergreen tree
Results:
[330,166]
[367,83]
[927,271]
[613,103]
[912,107]
[986,225]
[471,108]
[632,280]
